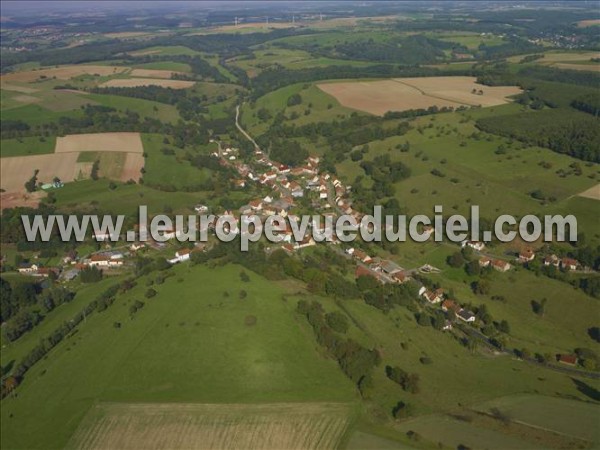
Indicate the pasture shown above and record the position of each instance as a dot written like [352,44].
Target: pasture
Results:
[561,415]
[401,94]
[302,426]
[27,146]
[186,345]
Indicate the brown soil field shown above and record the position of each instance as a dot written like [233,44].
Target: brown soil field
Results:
[132,167]
[401,94]
[588,23]
[14,199]
[15,171]
[100,142]
[208,426]
[152,73]
[135,82]
[593,193]
[62,73]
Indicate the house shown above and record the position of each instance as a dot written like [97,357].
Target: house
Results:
[475,245]
[570,360]
[552,260]
[450,305]
[181,256]
[484,261]
[526,255]
[433,297]
[401,277]
[306,242]
[362,271]
[501,266]
[296,190]
[46,271]
[390,267]
[105,237]
[569,263]
[362,256]
[104,261]
[465,315]
[201,209]
[27,268]
[239,183]
[256,205]
[136,246]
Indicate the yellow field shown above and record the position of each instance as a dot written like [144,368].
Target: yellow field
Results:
[61,73]
[135,82]
[209,426]
[100,142]
[15,171]
[593,193]
[124,164]
[401,94]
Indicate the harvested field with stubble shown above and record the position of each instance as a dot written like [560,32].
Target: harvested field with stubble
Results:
[593,193]
[401,94]
[212,426]
[100,142]
[154,73]
[15,171]
[136,82]
[62,73]
[120,156]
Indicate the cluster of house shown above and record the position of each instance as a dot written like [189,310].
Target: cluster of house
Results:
[563,263]
[438,296]
[37,270]
[383,270]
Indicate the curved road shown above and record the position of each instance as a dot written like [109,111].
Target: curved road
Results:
[239,127]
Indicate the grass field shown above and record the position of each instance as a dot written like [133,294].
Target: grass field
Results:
[171,170]
[27,146]
[573,418]
[196,426]
[185,345]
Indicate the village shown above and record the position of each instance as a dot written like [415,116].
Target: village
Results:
[285,187]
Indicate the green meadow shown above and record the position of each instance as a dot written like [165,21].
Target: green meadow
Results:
[27,146]
[190,343]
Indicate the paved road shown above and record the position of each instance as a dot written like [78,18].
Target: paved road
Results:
[239,127]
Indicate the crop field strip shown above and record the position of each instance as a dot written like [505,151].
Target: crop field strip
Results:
[209,426]
[400,94]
